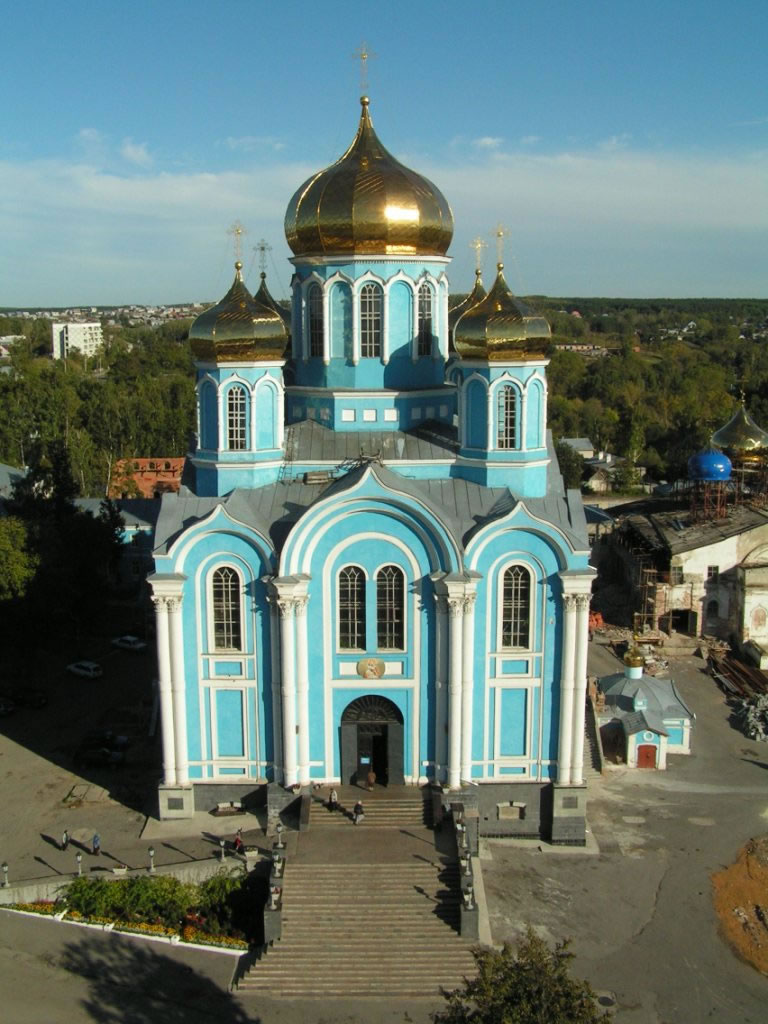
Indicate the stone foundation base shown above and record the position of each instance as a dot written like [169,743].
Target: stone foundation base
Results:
[569,810]
[175,801]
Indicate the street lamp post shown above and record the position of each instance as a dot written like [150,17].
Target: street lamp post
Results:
[5,875]
[280,843]
[79,859]
[222,843]
[151,852]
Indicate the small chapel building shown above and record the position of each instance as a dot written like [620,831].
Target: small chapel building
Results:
[377,565]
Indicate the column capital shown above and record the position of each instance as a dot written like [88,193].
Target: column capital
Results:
[582,601]
[173,604]
[569,602]
[455,606]
[469,601]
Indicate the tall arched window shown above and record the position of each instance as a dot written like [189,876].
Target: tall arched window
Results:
[507,417]
[227,625]
[315,306]
[370,321]
[351,609]
[237,424]
[390,608]
[424,321]
[516,608]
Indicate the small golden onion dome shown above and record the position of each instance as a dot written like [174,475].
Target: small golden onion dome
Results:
[238,329]
[634,658]
[264,296]
[501,328]
[478,292]
[740,433]
[368,203]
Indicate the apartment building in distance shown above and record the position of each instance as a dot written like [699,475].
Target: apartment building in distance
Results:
[76,337]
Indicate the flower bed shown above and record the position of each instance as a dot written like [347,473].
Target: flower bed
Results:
[196,937]
[45,907]
[145,928]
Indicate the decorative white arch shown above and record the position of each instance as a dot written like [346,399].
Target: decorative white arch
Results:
[369,278]
[306,284]
[463,404]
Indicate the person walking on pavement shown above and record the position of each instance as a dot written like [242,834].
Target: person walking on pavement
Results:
[64,839]
[238,844]
[96,844]
[358,814]
[333,800]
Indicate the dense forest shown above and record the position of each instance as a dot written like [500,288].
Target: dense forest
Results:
[672,375]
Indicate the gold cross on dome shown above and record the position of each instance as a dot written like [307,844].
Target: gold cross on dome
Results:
[262,247]
[479,245]
[363,54]
[238,231]
[500,234]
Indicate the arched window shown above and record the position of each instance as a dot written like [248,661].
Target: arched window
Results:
[370,321]
[507,417]
[390,607]
[236,419]
[351,609]
[516,607]
[227,625]
[424,321]
[315,305]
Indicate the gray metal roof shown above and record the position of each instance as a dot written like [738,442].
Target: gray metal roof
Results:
[674,532]
[137,513]
[662,698]
[8,477]
[311,442]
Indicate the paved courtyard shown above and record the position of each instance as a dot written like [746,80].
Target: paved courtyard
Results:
[636,904]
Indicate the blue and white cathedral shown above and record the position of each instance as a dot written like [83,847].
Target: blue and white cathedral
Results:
[377,566]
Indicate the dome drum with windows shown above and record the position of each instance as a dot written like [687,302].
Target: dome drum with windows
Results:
[368,203]
[501,328]
[239,328]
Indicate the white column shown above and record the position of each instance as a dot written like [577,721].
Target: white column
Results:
[178,684]
[288,662]
[580,689]
[302,688]
[441,686]
[385,325]
[355,326]
[277,703]
[165,691]
[326,324]
[467,685]
[567,668]
[456,606]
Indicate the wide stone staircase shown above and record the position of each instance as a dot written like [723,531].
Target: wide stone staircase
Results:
[592,766]
[368,911]
[403,808]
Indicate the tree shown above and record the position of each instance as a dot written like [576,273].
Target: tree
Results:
[571,464]
[532,986]
[17,563]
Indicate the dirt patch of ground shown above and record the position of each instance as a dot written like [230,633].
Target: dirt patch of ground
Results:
[740,894]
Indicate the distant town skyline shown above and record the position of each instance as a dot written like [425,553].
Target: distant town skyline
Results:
[625,148]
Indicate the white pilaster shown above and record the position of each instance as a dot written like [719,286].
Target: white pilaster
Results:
[441,687]
[302,688]
[165,691]
[467,685]
[567,671]
[288,664]
[178,685]
[580,688]
[456,609]
[277,703]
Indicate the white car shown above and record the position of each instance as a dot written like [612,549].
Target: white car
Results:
[87,669]
[129,643]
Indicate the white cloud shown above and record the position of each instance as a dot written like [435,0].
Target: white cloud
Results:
[252,143]
[610,221]
[135,153]
[614,142]
[530,140]
[488,142]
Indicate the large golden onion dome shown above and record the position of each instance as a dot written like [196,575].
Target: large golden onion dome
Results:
[740,433]
[478,292]
[368,203]
[264,296]
[501,328]
[238,329]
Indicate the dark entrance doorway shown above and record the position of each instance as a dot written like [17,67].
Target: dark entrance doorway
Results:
[372,740]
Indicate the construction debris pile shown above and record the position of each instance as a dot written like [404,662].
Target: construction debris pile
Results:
[739,894]
[752,715]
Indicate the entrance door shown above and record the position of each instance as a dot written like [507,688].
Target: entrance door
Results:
[646,756]
[372,740]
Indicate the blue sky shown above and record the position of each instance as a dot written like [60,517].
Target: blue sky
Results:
[623,144]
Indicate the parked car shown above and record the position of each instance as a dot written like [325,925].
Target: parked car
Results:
[129,643]
[22,696]
[87,669]
[87,756]
[106,738]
